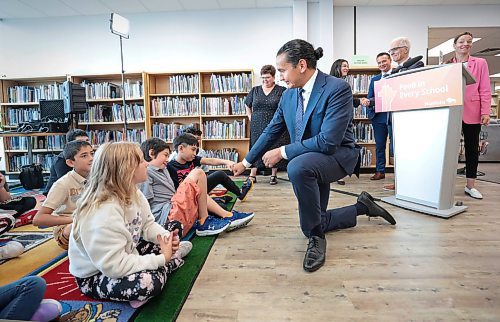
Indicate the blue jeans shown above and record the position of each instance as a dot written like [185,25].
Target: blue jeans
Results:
[20,300]
[381,131]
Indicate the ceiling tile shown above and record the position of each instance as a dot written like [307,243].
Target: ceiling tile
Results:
[162,5]
[18,9]
[51,8]
[87,7]
[199,4]
[232,4]
[124,6]
[274,3]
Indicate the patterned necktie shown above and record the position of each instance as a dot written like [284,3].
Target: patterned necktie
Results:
[299,115]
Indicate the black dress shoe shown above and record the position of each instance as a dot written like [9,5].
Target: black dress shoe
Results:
[375,210]
[315,254]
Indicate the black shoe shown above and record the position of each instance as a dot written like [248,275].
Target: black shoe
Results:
[375,210]
[245,189]
[315,254]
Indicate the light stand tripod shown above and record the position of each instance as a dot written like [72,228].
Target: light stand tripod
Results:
[120,26]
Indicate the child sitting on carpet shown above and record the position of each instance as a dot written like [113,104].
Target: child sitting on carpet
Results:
[186,147]
[19,204]
[57,209]
[190,202]
[116,249]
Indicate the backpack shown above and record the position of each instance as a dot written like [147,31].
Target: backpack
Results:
[31,176]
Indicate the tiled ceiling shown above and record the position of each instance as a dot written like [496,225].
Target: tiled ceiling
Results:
[14,9]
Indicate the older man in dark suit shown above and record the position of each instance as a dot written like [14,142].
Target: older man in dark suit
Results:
[317,111]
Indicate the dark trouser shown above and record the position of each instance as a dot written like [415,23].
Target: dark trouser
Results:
[311,174]
[139,286]
[471,146]
[20,205]
[220,177]
[20,300]
[381,131]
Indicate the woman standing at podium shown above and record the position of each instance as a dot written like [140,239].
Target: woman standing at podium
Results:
[477,106]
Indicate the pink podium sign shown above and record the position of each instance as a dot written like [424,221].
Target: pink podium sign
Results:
[428,88]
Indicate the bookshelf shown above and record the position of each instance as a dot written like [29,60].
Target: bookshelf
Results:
[359,78]
[19,102]
[212,101]
[104,120]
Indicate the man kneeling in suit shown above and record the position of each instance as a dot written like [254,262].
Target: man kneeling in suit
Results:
[317,111]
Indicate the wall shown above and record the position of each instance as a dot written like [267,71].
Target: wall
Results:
[377,26]
[158,42]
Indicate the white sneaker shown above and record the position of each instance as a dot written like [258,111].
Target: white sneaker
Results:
[7,222]
[474,193]
[11,249]
[184,249]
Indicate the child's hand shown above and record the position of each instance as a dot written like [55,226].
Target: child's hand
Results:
[165,243]
[175,240]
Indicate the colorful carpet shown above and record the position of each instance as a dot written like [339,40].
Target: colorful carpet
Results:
[61,286]
[29,239]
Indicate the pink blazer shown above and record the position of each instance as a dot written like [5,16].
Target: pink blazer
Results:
[477,98]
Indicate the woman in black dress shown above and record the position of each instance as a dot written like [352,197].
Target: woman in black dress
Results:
[261,103]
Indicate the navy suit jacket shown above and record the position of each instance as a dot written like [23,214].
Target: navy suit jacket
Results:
[370,110]
[327,123]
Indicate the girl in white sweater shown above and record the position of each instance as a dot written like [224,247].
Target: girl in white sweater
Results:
[116,250]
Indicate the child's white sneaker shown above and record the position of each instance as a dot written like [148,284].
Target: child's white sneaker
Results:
[474,193]
[184,249]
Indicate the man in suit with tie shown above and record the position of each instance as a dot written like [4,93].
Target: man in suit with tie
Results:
[317,111]
[381,122]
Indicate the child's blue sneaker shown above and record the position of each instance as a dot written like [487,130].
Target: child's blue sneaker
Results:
[212,226]
[240,219]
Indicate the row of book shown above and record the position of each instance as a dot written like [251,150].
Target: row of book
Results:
[226,154]
[363,132]
[183,84]
[360,112]
[14,116]
[107,90]
[230,83]
[366,157]
[234,105]
[168,131]
[219,130]
[17,161]
[98,137]
[33,94]
[52,142]
[114,113]
[359,82]
[175,106]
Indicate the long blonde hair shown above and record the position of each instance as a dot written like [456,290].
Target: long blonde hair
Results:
[111,176]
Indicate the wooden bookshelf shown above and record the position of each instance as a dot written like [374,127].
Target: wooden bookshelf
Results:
[19,103]
[359,78]
[105,119]
[204,99]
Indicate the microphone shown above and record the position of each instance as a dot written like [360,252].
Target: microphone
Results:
[406,64]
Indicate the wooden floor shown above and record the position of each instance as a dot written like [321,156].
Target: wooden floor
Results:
[423,269]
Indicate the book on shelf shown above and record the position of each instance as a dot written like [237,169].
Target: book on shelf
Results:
[168,131]
[175,106]
[363,132]
[184,84]
[98,137]
[366,157]
[17,161]
[230,83]
[14,116]
[33,94]
[360,112]
[234,105]
[225,153]
[133,89]
[51,142]
[359,82]
[215,129]
[113,113]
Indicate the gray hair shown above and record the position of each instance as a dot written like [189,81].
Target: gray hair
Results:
[403,42]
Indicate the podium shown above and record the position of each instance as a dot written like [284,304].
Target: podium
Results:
[427,105]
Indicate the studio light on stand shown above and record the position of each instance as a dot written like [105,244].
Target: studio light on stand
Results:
[120,26]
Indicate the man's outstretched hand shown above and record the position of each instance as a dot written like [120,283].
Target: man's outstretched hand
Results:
[238,168]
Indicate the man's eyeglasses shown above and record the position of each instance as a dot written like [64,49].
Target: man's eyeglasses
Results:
[393,50]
